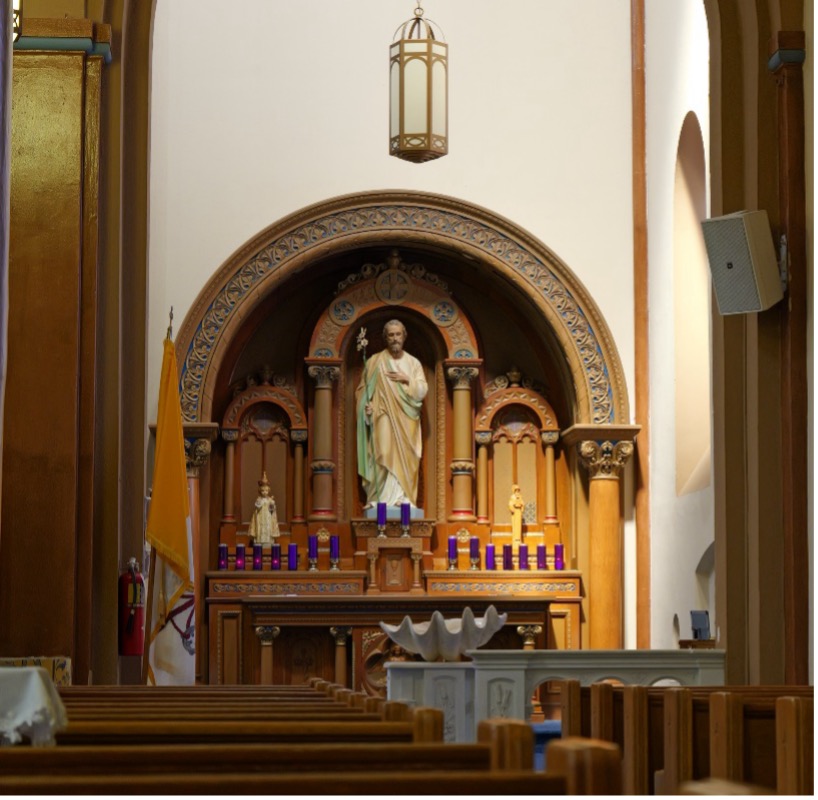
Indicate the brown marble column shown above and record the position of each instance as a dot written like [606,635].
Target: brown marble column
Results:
[230,437]
[604,451]
[266,634]
[340,635]
[462,465]
[323,463]
[483,440]
[299,439]
[550,438]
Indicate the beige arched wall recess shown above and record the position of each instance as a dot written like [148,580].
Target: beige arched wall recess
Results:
[358,220]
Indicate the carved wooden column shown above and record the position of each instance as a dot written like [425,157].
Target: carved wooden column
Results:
[483,440]
[198,438]
[323,465]
[230,437]
[266,634]
[340,635]
[604,450]
[298,438]
[550,438]
[462,462]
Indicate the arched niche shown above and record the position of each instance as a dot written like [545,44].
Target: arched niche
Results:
[441,336]
[579,331]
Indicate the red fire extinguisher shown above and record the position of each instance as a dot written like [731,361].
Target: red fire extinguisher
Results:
[131,611]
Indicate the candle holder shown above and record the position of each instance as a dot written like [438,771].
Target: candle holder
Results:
[490,557]
[240,556]
[452,559]
[381,520]
[222,556]
[334,553]
[312,553]
[275,556]
[522,556]
[258,557]
[542,557]
[474,553]
[405,516]
[559,556]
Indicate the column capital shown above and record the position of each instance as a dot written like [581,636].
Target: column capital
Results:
[529,634]
[482,437]
[266,633]
[298,435]
[324,375]
[549,437]
[604,449]
[340,635]
[461,375]
[230,434]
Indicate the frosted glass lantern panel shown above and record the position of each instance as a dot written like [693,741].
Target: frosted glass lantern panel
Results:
[414,96]
[414,47]
[439,98]
[394,93]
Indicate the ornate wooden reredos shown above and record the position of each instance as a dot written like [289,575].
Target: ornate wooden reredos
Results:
[486,424]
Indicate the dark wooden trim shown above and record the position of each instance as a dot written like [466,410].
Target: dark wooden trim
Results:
[789,79]
[641,324]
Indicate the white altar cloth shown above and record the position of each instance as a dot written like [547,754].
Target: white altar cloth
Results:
[29,706]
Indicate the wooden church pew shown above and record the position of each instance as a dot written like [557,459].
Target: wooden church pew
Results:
[500,764]
[664,735]
[315,783]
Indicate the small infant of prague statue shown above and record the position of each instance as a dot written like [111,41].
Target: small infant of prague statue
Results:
[264,522]
[516,506]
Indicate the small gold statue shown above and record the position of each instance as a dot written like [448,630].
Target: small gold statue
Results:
[515,506]
[264,522]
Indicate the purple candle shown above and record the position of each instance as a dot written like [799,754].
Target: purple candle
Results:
[404,514]
[239,556]
[292,556]
[522,555]
[275,557]
[542,562]
[334,548]
[474,547]
[452,548]
[257,562]
[381,514]
[312,547]
[490,557]
[559,556]
[222,556]
[508,556]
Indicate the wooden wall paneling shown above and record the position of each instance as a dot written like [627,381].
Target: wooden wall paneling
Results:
[41,445]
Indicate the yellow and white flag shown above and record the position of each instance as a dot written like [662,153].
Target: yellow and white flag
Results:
[170,641]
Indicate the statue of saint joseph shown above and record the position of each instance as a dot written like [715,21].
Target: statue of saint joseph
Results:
[388,402]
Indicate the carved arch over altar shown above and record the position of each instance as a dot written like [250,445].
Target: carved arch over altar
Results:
[353,221]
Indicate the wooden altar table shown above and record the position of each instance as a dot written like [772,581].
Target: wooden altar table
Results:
[320,627]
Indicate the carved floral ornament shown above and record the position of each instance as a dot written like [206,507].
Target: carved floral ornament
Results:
[393,283]
[364,219]
[605,459]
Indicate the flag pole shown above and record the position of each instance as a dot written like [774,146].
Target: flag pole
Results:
[146,649]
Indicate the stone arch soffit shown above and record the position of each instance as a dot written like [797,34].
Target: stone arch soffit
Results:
[410,292]
[358,220]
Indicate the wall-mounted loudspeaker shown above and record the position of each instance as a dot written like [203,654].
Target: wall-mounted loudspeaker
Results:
[743,264]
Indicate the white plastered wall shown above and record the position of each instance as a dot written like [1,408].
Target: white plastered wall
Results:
[261,108]
[682,527]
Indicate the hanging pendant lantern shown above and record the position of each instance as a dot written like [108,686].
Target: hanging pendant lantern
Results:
[17,19]
[418,91]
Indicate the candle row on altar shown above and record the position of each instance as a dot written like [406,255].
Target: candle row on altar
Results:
[276,553]
[507,555]
[405,514]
